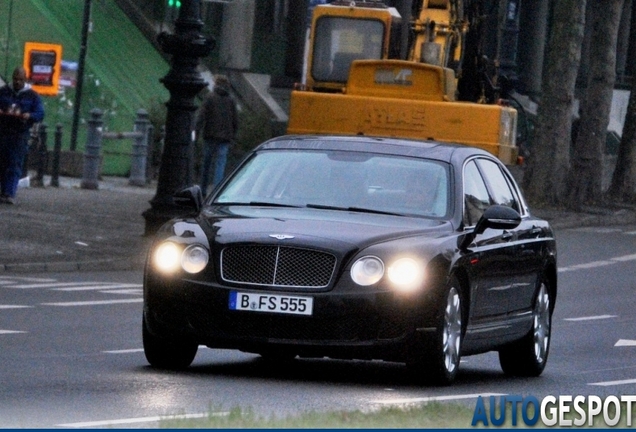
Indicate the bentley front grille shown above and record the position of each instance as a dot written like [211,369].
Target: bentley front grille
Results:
[277,266]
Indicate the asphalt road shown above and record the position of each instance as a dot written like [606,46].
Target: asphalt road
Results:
[70,352]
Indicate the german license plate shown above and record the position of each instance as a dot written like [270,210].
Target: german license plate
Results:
[274,303]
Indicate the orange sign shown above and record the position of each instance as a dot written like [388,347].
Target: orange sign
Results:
[42,62]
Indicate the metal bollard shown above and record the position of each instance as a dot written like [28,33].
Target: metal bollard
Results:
[43,154]
[149,150]
[57,150]
[140,150]
[91,154]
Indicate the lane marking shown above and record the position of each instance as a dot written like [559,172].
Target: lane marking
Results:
[26,279]
[625,342]
[55,285]
[124,351]
[590,318]
[14,306]
[613,383]
[596,264]
[11,331]
[99,287]
[115,422]
[93,303]
[435,398]
[133,291]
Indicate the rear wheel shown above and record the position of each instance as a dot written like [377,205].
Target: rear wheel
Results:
[528,356]
[439,363]
[167,353]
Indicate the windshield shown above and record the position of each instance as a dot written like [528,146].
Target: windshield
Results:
[351,181]
[339,41]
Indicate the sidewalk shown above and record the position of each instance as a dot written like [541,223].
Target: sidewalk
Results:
[68,228]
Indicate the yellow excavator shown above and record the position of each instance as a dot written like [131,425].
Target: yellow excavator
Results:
[363,77]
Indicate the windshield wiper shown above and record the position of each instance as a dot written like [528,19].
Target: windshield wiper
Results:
[355,209]
[256,204]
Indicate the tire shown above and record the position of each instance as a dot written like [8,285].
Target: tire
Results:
[438,363]
[167,354]
[528,356]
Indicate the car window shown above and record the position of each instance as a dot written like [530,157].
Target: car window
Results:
[499,186]
[476,198]
[383,183]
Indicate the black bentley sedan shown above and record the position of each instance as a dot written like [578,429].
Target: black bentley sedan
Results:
[356,248]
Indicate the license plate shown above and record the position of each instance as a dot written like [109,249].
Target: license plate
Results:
[274,303]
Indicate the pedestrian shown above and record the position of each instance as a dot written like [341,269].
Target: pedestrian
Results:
[20,108]
[216,123]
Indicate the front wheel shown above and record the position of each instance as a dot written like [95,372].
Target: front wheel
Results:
[166,353]
[440,363]
[529,355]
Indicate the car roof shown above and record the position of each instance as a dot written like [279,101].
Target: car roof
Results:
[392,146]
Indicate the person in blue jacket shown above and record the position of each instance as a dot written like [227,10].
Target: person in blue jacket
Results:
[20,108]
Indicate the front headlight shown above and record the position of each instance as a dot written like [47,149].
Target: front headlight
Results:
[406,274]
[194,258]
[169,257]
[367,270]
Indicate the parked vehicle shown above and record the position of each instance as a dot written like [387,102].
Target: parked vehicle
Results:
[356,247]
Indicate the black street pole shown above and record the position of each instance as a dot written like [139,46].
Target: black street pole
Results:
[183,81]
[80,73]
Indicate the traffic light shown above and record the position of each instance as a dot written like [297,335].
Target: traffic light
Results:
[174,3]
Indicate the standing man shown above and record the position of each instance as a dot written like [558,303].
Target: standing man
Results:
[20,108]
[217,122]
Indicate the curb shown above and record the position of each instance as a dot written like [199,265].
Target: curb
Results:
[117,264]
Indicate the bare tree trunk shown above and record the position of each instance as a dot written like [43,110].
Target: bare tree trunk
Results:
[623,186]
[586,172]
[548,162]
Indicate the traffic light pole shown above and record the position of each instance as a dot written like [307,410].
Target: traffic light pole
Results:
[80,73]
[183,81]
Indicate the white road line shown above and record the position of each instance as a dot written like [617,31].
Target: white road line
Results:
[14,306]
[115,422]
[26,279]
[133,291]
[596,264]
[590,318]
[613,383]
[55,284]
[435,398]
[124,351]
[625,342]
[98,287]
[94,303]
[11,331]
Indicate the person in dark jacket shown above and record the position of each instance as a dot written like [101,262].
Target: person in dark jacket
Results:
[20,108]
[217,123]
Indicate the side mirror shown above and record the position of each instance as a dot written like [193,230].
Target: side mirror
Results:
[190,197]
[495,217]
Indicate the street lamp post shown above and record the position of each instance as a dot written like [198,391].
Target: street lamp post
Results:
[183,81]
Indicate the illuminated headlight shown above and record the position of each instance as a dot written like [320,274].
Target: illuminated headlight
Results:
[406,274]
[367,270]
[169,257]
[194,258]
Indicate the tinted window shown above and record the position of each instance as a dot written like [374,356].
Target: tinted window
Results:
[476,198]
[499,185]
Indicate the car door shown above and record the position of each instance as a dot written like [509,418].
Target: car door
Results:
[491,252]
[523,248]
